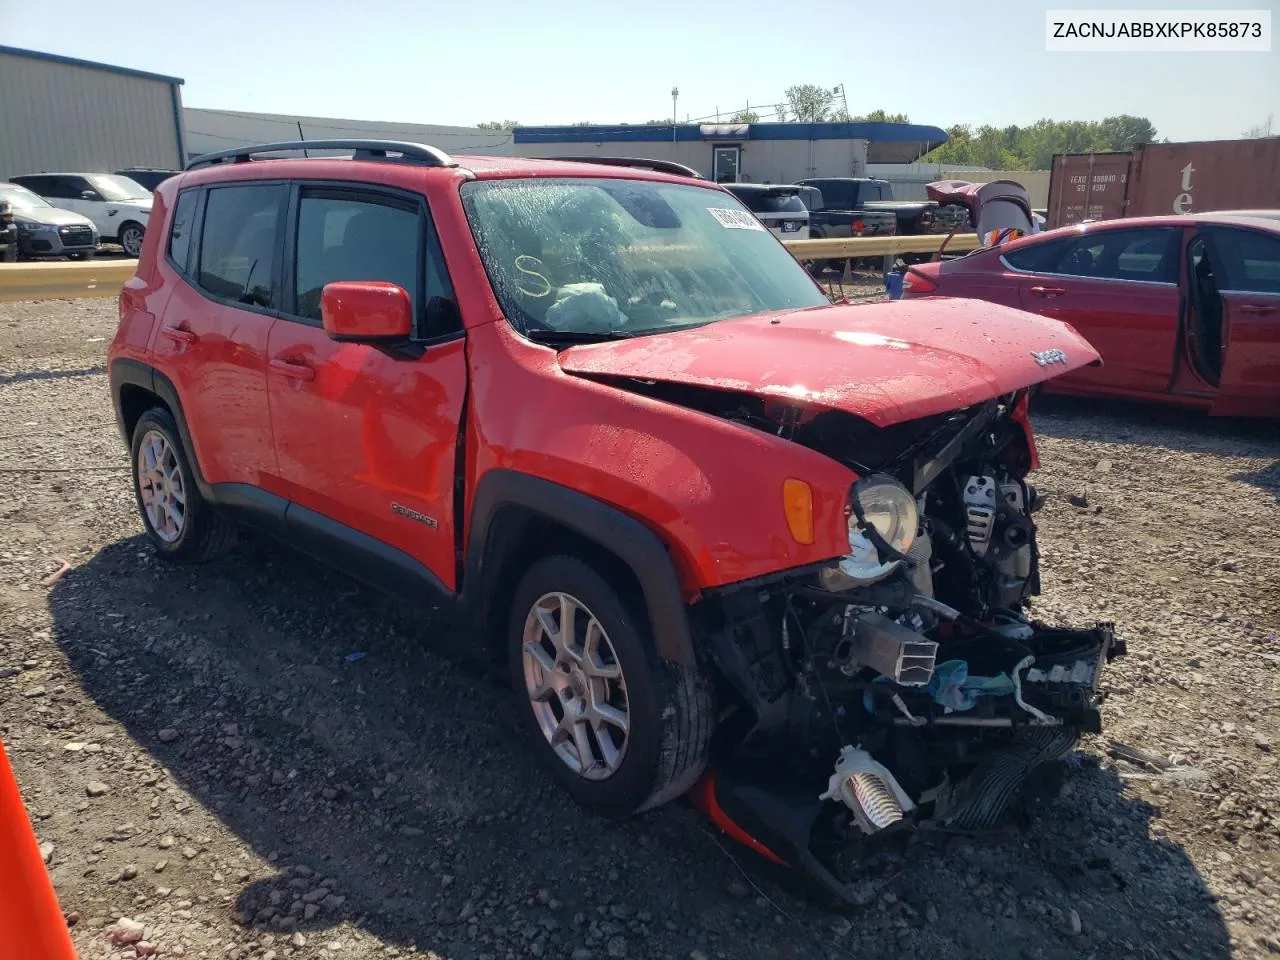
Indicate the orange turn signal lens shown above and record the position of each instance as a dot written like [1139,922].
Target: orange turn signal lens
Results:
[797,503]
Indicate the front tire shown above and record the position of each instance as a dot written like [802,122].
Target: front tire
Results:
[181,525]
[131,239]
[620,729]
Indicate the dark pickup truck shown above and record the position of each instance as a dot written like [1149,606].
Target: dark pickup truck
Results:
[826,222]
[864,195]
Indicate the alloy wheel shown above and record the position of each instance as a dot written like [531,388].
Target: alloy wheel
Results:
[575,686]
[131,240]
[161,487]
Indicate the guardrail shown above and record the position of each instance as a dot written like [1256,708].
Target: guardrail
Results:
[880,246]
[56,280]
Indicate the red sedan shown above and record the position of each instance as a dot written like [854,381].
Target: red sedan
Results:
[1183,310]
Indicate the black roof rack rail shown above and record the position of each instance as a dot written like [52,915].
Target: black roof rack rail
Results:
[659,166]
[418,153]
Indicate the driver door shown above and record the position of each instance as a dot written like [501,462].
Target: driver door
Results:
[1249,261]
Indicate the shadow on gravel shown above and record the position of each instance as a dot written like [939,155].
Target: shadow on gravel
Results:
[11,378]
[392,790]
[1129,421]
[1266,479]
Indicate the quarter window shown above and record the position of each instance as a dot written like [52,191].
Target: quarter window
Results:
[238,243]
[184,213]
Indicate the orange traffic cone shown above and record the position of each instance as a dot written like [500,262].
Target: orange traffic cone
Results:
[29,910]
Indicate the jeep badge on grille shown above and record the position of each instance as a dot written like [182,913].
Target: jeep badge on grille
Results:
[1047,357]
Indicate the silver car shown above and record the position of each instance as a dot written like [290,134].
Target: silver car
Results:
[44,230]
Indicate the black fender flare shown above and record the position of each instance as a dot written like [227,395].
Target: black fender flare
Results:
[631,541]
[127,371]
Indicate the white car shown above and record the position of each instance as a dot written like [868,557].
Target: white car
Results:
[119,207]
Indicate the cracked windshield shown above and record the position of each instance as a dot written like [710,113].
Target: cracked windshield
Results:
[586,259]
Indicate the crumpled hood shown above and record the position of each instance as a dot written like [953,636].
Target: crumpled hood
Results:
[886,362]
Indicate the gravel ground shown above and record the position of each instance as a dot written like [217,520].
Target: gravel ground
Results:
[201,754]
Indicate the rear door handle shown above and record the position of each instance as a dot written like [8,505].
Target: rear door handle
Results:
[295,371]
[1258,309]
[1048,292]
[178,335]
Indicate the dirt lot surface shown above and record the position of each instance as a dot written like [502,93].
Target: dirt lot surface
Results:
[201,753]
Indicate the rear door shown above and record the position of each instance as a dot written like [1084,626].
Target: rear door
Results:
[1119,289]
[1248,262]
[212,338]
[366,437]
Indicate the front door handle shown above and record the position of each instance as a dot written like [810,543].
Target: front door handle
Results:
[1257,309]
[1048,292]
[178,335]
[292,370]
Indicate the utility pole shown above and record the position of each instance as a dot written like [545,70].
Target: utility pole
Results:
[675,93]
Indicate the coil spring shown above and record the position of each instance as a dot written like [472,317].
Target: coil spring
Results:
[878,803]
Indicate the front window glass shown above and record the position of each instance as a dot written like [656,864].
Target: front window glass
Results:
[115,189]
[614,258]
[22,199]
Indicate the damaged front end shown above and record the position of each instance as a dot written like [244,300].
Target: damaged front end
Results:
[904,684]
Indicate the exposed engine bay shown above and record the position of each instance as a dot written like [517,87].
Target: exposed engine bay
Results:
[903,684]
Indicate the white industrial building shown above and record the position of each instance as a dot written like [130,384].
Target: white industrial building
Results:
[743,152]
[63,114]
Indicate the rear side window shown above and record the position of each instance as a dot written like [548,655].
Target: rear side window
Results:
[1039,257]
[184,214]
[1250,259]
[1149,255]
[238,244]
[835,195]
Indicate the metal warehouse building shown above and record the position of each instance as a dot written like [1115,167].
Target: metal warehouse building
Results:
[62,114]
[210,130]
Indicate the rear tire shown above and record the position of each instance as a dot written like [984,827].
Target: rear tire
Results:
[131,235]
[576,688]
[181,525]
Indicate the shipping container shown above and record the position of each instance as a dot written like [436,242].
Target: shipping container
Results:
[1087,186]
[1165,178]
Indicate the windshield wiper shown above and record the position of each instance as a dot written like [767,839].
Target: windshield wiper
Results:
[557,337]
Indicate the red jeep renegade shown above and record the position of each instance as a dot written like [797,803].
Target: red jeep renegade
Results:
[723,532]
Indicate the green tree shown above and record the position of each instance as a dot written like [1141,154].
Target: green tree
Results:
[880,116]
[745,116]
[1033,147]
[808,102]
[498,125]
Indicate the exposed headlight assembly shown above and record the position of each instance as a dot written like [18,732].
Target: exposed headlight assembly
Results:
[883,521]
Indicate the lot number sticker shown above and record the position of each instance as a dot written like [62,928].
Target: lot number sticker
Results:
[735,219]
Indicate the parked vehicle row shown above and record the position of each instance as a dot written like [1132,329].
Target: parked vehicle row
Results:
[733,494]
[69,214]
